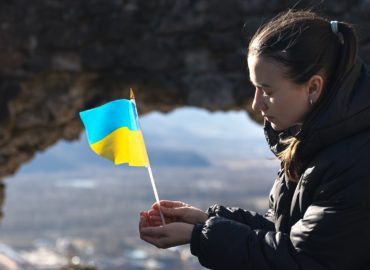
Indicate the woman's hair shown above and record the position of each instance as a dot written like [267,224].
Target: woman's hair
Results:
[305,44]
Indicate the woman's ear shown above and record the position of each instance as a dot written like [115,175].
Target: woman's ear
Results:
[315,87]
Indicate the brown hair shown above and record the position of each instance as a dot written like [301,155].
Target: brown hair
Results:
[304,43]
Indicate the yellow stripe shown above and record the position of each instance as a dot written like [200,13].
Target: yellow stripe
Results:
[123,146]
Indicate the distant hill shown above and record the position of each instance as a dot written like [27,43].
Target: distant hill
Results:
[72,156]
[176,158]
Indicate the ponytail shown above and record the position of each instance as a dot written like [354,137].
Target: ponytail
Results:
[287,155]
[348,38]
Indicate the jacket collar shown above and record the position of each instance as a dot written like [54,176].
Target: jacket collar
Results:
[275,138]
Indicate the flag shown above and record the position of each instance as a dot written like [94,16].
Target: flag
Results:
[113,132]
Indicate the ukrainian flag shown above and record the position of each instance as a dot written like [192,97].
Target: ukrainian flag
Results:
[113,132]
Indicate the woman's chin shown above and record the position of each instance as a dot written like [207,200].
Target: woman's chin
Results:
[276,127]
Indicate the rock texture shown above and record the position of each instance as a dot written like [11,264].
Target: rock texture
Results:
[58,57]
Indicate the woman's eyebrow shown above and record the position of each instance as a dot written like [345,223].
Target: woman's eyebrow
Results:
[259,84]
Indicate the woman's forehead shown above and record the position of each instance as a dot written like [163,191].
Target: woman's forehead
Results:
[264,69]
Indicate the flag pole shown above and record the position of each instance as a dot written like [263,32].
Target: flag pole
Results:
[155,192]
[132,97]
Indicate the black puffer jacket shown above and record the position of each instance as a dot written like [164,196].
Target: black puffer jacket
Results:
[321,222]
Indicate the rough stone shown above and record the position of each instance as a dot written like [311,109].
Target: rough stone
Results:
[63,56]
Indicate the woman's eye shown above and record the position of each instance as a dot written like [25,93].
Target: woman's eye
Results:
[266,94]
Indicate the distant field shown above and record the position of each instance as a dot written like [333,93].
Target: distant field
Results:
[103,205]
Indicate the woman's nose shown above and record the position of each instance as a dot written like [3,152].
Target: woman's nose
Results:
[258,101]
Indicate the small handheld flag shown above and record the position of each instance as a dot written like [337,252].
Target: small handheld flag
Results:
[113,131]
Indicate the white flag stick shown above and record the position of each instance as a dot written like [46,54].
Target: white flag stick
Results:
[155,193]
[132,96]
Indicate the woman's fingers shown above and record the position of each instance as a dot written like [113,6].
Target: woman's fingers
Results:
[169,204]
[156,220]
[153,231]
[149,235]
[156,236]
[169,235]
[154,215]
[153,212]
[173,212]
[146,220]
[157,223]
[143,221]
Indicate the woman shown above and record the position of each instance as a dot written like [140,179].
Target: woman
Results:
[314,94]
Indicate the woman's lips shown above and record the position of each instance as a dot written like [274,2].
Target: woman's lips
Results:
[268,118]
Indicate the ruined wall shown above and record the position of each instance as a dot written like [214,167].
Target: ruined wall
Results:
[58,57]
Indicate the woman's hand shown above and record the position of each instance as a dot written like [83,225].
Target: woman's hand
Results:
[176,211]
[166,236]
[180,219]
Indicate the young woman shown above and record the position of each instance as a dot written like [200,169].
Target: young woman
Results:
[314,94]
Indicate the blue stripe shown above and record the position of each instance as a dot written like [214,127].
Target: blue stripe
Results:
[99,122]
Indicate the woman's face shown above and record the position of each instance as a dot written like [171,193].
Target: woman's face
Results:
[280,101]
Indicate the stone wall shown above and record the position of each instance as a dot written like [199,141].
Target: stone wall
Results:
[58,57]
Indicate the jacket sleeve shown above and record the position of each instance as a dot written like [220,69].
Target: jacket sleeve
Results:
[323,239]
[250,218]
[225,244]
